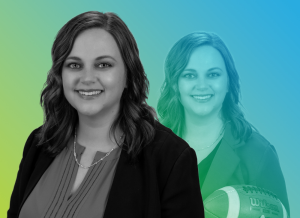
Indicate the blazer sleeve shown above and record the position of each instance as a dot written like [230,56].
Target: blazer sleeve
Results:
[181,196]
[17,194]
[270,176]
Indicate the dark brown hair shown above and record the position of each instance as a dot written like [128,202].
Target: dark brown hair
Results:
[136,118]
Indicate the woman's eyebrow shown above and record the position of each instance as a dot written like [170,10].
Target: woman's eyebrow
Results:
[189,70]
[73,58]
[105,56]
[97,58]
[215,68]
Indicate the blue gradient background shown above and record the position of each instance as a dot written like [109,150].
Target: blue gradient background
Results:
[263,38]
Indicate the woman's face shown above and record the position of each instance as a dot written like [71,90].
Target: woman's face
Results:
[204,83]
[94,74]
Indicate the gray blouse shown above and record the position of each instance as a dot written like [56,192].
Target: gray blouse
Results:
[52,196]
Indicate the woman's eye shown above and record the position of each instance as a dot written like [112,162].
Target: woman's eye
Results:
[189,76]
[213,75]
[104,65]
[74,66]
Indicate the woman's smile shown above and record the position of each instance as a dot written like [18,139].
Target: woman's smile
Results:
[202,98]
[89,94]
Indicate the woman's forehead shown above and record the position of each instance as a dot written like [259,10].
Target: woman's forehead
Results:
[95,42]
[205,57]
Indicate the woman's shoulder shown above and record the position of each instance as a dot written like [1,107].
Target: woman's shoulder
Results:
[163,132]
[32,140]
[168,153]
[166,141]
[258,148]
[34,135]
[258,142]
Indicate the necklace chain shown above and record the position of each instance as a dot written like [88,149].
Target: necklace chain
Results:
[101,159]
[221,134]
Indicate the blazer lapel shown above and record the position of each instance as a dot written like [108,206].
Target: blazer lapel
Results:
[223,165]
[113,202]
[127,193]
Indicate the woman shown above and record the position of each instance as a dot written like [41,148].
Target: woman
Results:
[200,102]
[100,151]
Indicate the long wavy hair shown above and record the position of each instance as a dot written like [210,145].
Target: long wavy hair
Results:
[169,108]
[136,118]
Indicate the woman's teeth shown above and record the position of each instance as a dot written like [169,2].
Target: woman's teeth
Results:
[90,93]
[202,97]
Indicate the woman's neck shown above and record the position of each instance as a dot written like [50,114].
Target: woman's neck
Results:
[202,129]
[94,132]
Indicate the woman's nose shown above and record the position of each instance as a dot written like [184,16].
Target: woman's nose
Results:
[88,76]
[201,83]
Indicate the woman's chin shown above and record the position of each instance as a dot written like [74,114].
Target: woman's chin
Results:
[88,112]
[203,113]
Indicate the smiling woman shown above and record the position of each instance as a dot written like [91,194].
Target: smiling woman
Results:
[100,145]
[200,102]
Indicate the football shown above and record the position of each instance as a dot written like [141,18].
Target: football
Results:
[243,201]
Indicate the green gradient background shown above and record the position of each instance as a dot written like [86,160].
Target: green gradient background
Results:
[262,37]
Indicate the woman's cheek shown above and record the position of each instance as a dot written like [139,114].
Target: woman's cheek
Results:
[183,87]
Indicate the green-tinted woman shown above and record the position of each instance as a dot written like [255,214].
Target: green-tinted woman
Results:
[200,102]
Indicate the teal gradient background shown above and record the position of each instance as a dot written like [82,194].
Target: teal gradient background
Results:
[263,38]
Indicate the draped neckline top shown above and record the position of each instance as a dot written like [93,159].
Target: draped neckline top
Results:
[52,198]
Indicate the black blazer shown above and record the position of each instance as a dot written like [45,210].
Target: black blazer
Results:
[163,183]
[251,162]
